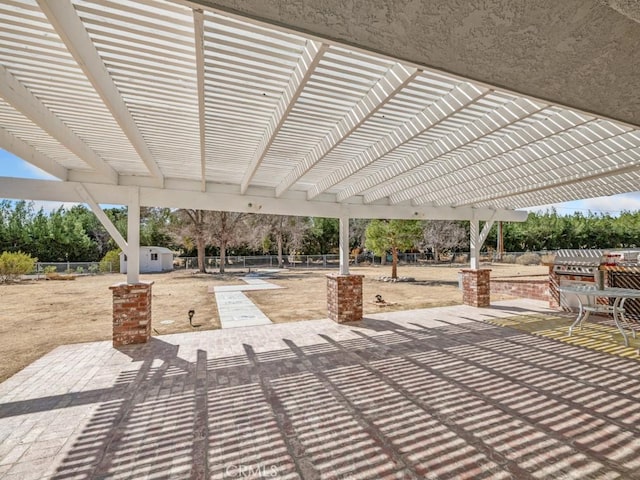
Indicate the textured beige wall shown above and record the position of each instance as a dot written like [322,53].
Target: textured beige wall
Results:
[579,53]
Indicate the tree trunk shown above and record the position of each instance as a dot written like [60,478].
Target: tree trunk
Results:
[279,242]
[223,255]
[394,262]
[201,254]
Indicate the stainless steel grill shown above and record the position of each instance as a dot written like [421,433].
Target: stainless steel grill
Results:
[578,262]
[573,266]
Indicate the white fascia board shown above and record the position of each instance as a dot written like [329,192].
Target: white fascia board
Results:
[187,194]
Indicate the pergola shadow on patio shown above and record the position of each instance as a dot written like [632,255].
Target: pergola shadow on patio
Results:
[436,393]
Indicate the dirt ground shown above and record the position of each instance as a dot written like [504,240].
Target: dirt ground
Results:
[304,297]
[38,315]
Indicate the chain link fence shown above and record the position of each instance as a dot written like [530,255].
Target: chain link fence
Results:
[289,261]
[329,261]
[368,258]
[43,268]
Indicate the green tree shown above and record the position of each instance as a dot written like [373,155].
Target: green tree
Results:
[94,230]
[67,240]
[16,230]
[394,235]
[155,227]
[323,236]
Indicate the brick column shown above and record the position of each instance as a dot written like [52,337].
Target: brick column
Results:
[476,287]
[344,297]
[554,293]
[131,313]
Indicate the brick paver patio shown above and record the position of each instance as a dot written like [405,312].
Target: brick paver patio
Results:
[436,393]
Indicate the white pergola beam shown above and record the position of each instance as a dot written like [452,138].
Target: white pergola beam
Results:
[198,28]
[309,60]
[65,20]
[396,78]
[460,97]
[30,154]
[485,231]
[18,96]
[104,220]
[187,194]
[415,167]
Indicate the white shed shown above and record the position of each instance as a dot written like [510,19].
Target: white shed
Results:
[152,259]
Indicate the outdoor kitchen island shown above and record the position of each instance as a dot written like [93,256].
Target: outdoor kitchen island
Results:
[618,268]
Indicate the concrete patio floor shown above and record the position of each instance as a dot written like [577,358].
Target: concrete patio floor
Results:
[436,394]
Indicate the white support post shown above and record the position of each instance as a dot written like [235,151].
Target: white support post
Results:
[474,242]
[133,237]
[344,245]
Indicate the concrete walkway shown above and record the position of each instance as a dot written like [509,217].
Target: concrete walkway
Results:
[234,307]
[429,394]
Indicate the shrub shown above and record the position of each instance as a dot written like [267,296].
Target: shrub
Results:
[93,268]
[50,269]
[548,259]
[15,264]
[111,262]
[80,270]
[528,258]
[508,258]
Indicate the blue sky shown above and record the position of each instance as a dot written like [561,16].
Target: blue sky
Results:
[12,166]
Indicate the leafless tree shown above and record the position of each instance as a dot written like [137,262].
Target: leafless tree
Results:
[287,232]
[192,228]
[441,235]
[357,231]
[201,228]
[227,229]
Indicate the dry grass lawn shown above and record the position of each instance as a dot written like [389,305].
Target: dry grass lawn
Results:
[37,315]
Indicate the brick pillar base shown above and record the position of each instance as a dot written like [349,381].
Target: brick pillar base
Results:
[131,313]
[476,287]
[344,297]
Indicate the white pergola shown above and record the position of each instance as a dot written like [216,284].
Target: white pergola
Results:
[168,103]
